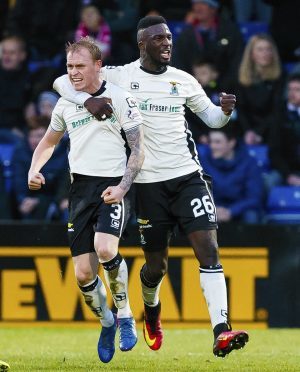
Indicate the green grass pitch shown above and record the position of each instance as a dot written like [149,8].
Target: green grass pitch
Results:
[74,349]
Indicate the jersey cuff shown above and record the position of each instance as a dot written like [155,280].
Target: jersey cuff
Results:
[55,130]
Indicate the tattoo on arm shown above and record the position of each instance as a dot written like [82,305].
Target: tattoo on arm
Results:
[135,139]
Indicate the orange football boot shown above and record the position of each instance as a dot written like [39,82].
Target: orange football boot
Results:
[152,330]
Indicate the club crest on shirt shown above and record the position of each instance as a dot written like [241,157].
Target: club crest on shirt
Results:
[131,102]
[174,88]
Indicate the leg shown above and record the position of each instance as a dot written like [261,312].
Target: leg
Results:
[151,275]
[212,277]
[116,276]
[197,218]
[91,287]
[214,289]
[155,227]
[115,271]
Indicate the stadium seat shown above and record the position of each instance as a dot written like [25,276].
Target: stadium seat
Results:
[249,29]
[6,154]
[283,205]
[261,155]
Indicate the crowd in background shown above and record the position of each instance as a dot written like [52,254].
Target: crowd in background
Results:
[219,42]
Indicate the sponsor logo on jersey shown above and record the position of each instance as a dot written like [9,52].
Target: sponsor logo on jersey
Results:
[134,85]
[146,106]
[81,122]
[131,102]
[174,88]
[79,108]
[110,67]
[112,119]
[115,224]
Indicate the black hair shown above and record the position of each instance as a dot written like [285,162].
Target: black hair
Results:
[150,21]
[229,131]
[294,77]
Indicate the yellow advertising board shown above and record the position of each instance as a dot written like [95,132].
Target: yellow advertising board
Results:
[39,284]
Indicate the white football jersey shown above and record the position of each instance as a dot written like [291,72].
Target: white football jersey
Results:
[169,147]
[97,148]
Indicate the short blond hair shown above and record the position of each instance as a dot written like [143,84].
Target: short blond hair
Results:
[87,43]
[248,73]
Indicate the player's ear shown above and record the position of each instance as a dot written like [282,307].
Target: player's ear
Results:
[141,45]
[98,64]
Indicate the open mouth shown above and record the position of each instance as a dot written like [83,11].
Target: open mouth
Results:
[76,80]
[166,54]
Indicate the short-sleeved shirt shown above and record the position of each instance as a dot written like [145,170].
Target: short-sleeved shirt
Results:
[170,150]
[97,148]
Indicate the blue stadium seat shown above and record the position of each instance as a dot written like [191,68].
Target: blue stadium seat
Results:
[283,205]
[261,155]
[176,27]
[6,154]
[249,29]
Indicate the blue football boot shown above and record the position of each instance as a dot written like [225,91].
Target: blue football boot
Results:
[106,344]
[128,335]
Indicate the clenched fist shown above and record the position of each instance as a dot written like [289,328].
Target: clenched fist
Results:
[35,180]
[227,102]
[100,107]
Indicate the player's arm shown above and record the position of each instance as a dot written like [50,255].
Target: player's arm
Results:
[99,107]
[41,155]
[218,116]
[135,140]
[212,115]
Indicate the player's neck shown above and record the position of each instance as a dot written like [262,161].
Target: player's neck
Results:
[151,66]
[93,88]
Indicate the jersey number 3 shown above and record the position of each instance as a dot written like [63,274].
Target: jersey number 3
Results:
[117,212]
[206,203]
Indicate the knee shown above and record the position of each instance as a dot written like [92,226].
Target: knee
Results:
[210,256]
[106,248]
[105,254]
[84,275]
[157,271]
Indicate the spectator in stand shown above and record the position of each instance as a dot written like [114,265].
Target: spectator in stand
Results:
[237,181]
[249,10]
[285,153]
[14,87]
[207,75]
[94,25]
[259,91]
[4,7]
[52,198]
[46,103]
[45,25]
[285,27]
[5,210]
[42,110]
[213,37]
[122,17]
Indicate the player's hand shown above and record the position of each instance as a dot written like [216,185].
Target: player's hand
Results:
[100,107]
[28,205]
[113,195]
[227,102]
[35,180]
[251,138]
[223,214]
